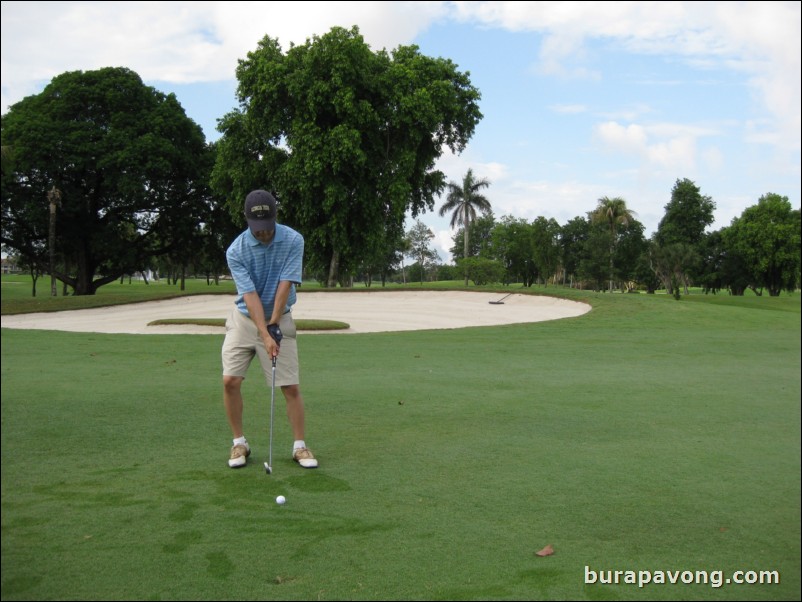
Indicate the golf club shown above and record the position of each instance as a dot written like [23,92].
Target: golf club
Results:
[269,463]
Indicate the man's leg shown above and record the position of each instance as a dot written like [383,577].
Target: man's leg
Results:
[237,353]
[295,409]
[232,400]
[295,413]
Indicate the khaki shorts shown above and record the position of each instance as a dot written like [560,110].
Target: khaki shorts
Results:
[243,342]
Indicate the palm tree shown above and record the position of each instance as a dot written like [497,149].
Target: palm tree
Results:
[463,201]
[612,212]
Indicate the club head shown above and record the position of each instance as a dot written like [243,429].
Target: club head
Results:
[268,470]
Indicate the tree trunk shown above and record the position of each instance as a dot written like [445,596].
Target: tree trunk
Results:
[53,196]
[465,253]
[83,279]
[334,265]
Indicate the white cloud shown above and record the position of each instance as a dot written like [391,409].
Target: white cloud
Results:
[758,38]
[677,154]
[179,42]
[443,241]
[665,145]
[629,139]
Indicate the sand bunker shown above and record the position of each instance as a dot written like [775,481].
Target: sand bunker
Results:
[379,311]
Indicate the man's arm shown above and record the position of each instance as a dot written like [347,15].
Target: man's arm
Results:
[280,303]
[254,304]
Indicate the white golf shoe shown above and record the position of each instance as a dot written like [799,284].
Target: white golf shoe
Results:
[239,455]
[304,457]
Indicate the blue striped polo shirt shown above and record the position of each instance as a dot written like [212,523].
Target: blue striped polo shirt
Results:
[259,267]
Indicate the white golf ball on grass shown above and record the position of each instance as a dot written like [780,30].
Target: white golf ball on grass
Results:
[280,500]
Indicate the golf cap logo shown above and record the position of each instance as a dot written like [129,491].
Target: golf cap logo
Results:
[261,212]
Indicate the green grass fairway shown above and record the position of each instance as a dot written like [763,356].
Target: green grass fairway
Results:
[647,435]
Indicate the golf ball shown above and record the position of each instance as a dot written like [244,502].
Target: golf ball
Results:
[280,500]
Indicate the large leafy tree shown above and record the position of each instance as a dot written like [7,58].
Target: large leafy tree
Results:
[513,244]
[680,235]
[572,242]
[631,252]
[613,213]
[586,245]
[767,239]
[462,202]
[672,263]
[347,136]
[129,167]
[546,236]
[722,267]
[594,264]
[687,215]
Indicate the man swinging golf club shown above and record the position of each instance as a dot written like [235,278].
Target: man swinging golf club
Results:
[266,264]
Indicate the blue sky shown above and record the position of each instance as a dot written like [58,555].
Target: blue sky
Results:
[580,100]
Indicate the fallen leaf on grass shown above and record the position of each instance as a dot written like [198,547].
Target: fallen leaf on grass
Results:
[547,551]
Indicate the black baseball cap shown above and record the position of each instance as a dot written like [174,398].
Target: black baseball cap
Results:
[260,211]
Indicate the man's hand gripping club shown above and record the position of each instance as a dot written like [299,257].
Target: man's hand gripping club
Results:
[275,333]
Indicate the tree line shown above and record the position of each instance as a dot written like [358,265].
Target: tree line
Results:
[103,177]
[607,250]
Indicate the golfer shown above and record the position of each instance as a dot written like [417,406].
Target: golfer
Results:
[265,262]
